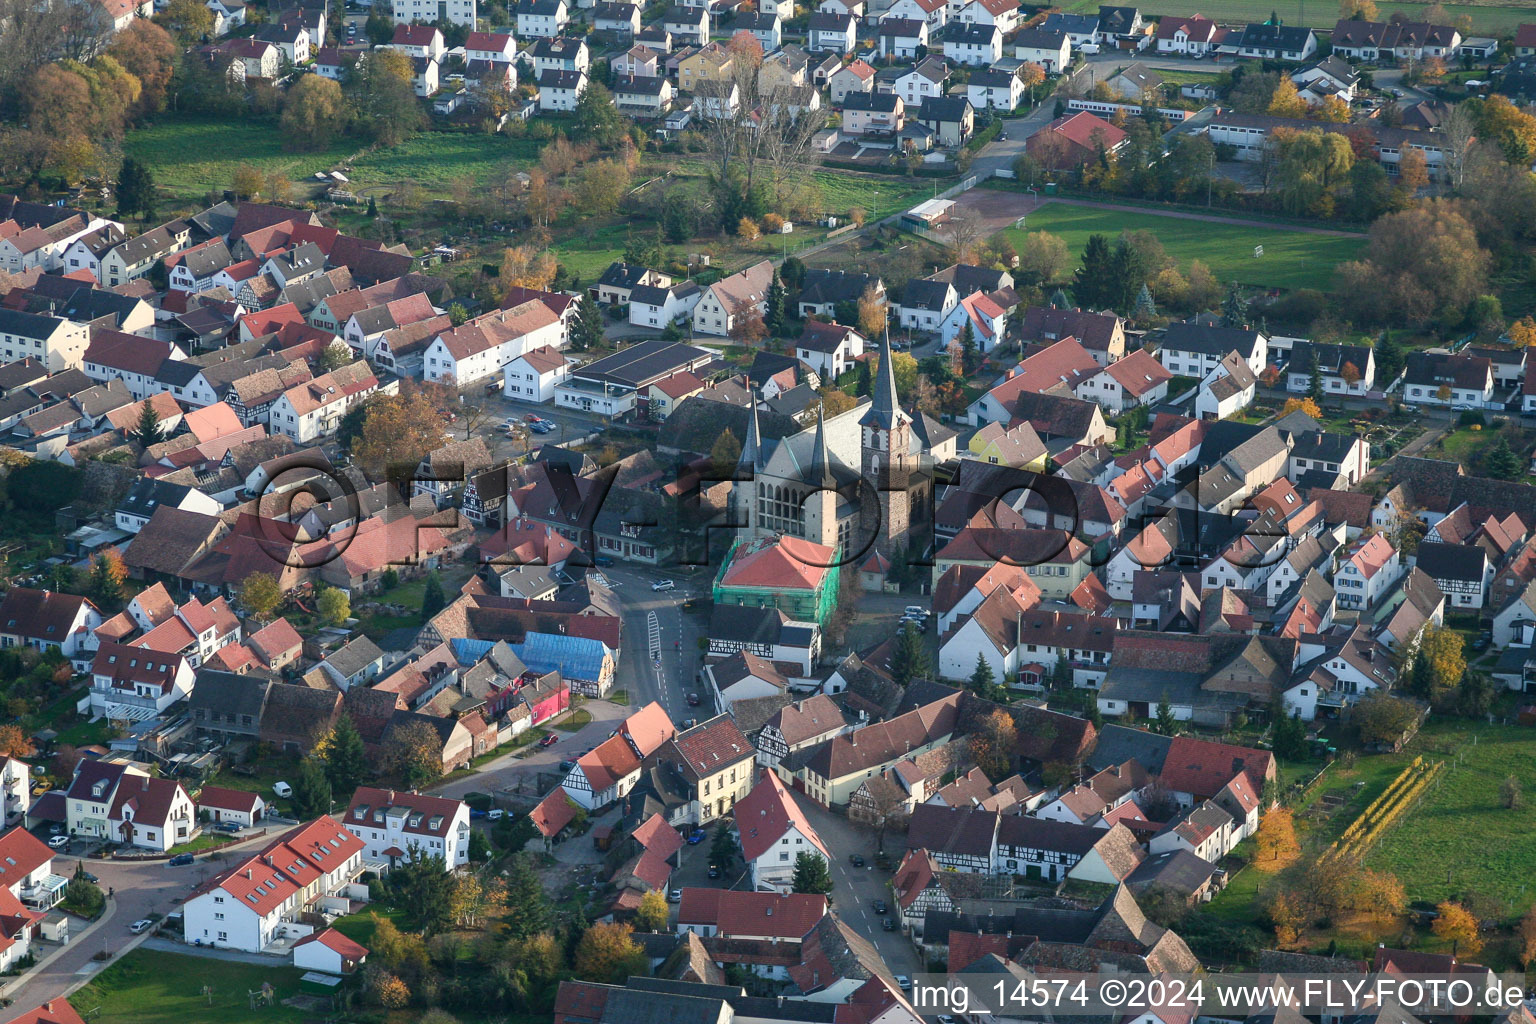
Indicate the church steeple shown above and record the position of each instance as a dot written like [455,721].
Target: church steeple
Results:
[821,465]
[885,411]
[752,448]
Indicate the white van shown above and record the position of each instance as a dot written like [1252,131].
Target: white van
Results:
[282,789]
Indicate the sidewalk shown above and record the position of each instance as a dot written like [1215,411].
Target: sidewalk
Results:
[13,985]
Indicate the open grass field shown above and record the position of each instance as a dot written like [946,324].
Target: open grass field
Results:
[192,156]
[1462,831]
[152,987]
[1487,19]
[1292,259]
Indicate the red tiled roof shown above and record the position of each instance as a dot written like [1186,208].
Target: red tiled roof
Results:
[657,836]
[21,853]
[227,799]
[766,813]
[785,563]
[336,942]
[553,813]
[1204,767]
[770,914]
[54,1011]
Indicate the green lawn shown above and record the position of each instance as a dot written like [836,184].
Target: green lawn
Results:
[1462,827]
[191,156]
[151,987]
[1486,19]
[1292,259]
[207,841]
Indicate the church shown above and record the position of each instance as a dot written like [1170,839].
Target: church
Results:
[859,480]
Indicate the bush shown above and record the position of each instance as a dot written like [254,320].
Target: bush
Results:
[1471,418]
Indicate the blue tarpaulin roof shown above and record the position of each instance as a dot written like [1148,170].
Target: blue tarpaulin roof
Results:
[467,651]
[574,657]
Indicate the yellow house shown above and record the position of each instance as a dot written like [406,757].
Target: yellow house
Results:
[785,69]
[711,63]
[1020,447]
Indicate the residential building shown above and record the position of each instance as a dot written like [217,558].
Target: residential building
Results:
[395,827]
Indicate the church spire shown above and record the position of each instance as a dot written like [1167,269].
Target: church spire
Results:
[821,465]
[751,449]
[885,411]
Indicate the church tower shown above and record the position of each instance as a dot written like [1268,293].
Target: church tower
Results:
[743,502]
[821,503]
[888,465]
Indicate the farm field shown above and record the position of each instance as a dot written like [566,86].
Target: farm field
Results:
[153,987]
[1433,840]
[1487,19]
[1292,259]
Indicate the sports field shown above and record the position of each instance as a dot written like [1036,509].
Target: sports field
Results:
[1291,259]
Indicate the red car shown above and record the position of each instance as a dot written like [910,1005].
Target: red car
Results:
[531,418]
[550,740]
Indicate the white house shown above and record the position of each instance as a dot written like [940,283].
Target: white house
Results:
[1439,378]
[1051,50]
[478,349]
[532,376]
[831,32]
[994,88]
[57,343]
[925,304]
[1341,369]
[829,349]
[975,44]
[1138,379]
[1227,389]
[135,683]
[315,408]
[658,305]
[934,12]
[396,826]
[218,804]
[264,896]
[119,803]
[1002,14]
[1194,350]
[492,47]
[1367,572]
[47,620]
[541,19]
[902,38]
[988,322]
[772,832]
[328,952]
[560,90]
[724,303]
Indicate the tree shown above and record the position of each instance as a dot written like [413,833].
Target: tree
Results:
[992,745]
[383,97]
[15,743]
[259,595]
[397,433]
[970,356]
[1510,794]
[598,119]
[311,790]
[1277,847]
[470,895]
[910,659]
[187,20]
[1526,931]
[748,328]
[346,759]
[652,914]
[528,911]
[587,330]
[1144,309]
[146,51]
[1164,723]
[1044,258]
[1382,718]
[725,454]
[723,848]
[1502,463]
[1440,652]
[246,181]
[773,317]
[433,600]
[108,571]
[1457,925]
[414,752]
[423,888]
[1234,311]
[1091,282]
[135,188]
[608,953]
[479,846]
[1290,736]
[864,384]
[982,678]
[811,874]
[1306,405]
[1421,263]
[1315,383]
[333,606]
[82,895]
[314,113]
[1285,101]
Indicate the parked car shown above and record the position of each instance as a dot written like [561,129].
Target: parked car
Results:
[89,877]
[543,427]
[550,740]
[888,924]
[675,896]
[603,561]
[663,585]
[904,982]
[282,789]
[475,812]
[533,417]
[229,826]
[693,700]
[495,814]
[856,860]
[59,842]
[696,837]
[880,907]
[140,926]
[181,860]
[714,871]
[566,766]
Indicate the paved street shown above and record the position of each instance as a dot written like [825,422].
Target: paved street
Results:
[142,888]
